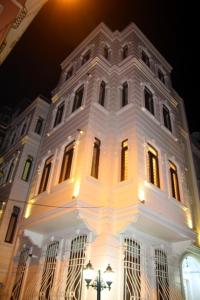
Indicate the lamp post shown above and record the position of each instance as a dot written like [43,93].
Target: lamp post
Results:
[101,282]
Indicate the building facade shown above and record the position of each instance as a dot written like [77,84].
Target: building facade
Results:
[114,182]
[16,168]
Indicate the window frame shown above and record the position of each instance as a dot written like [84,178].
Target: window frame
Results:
[77,102]
[124,160]
[59,112]
[174,182]
[153,166]
[149,102]
[30,161]
[38,128]
[145,57]
[124,52]
[124,94]
[46,171]
[96,158]
[102,93]
[86,56]
[12,225]
[166,117]
[67,161]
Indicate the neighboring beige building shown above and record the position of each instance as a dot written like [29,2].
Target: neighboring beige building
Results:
[16,168]
[114,182]
[15,17]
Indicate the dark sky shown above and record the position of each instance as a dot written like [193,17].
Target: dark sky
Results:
[33,66]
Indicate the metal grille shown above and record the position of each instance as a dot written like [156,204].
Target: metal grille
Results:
[162,277]
[132,272]
[20,274]
[75,268]
[49,271]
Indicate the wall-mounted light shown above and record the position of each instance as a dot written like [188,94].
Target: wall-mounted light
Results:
[141,195]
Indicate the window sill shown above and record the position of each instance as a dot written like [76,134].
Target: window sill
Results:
[169,133]
[55,128]
[122,184]
[101,108]
[74,113]
[153,118]
[124,108]
[61,185]
[93,180]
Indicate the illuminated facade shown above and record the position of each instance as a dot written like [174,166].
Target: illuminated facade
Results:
[114,181]
[16,168]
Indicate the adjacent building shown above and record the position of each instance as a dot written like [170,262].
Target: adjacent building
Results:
[114,181]
[16,168]
[16,16]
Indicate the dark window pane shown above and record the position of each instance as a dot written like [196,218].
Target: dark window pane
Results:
[78,98]
[166,118]
[59,114]
[124,94]
[38,127]
[145,59]
[102,93]
[174,181]
[45,175]
[124,52]
[149,105]
[161,76]
[67,162]
[69,73]
[86,57]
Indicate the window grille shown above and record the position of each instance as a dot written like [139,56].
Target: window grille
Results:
[132,270]
[162,278]
[20,274]
[67,162]
[75,268]
[95,158]
[49,271]
[124,160]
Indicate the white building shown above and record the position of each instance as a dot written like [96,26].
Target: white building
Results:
[114,182]
[16,168]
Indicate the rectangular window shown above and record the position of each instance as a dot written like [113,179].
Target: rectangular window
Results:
[106,52]
[59,114]
[145,58]
[153,166]
[162,277]
[132,272]
[86,57]
[95,158]
[21,268]
[166,118]
[45,175]
[12,225]
[27,168]
[49,271]
[174,181]
[67,162]
[75,268]
[148,97]
[124,94]
[161,76]
[124,160]
[102,93]
[38,127]
[124,52]
[69,73]
[78,98]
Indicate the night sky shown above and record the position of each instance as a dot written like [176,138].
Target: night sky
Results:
[33,66]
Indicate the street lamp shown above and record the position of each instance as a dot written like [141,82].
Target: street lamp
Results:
[100,282]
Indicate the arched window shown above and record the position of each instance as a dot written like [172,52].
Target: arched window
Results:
[67,162]
[102,93]
[174,181]
[132,272]
[49,271]
[162,277]
[45,175]
[27,169]
[75,268]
